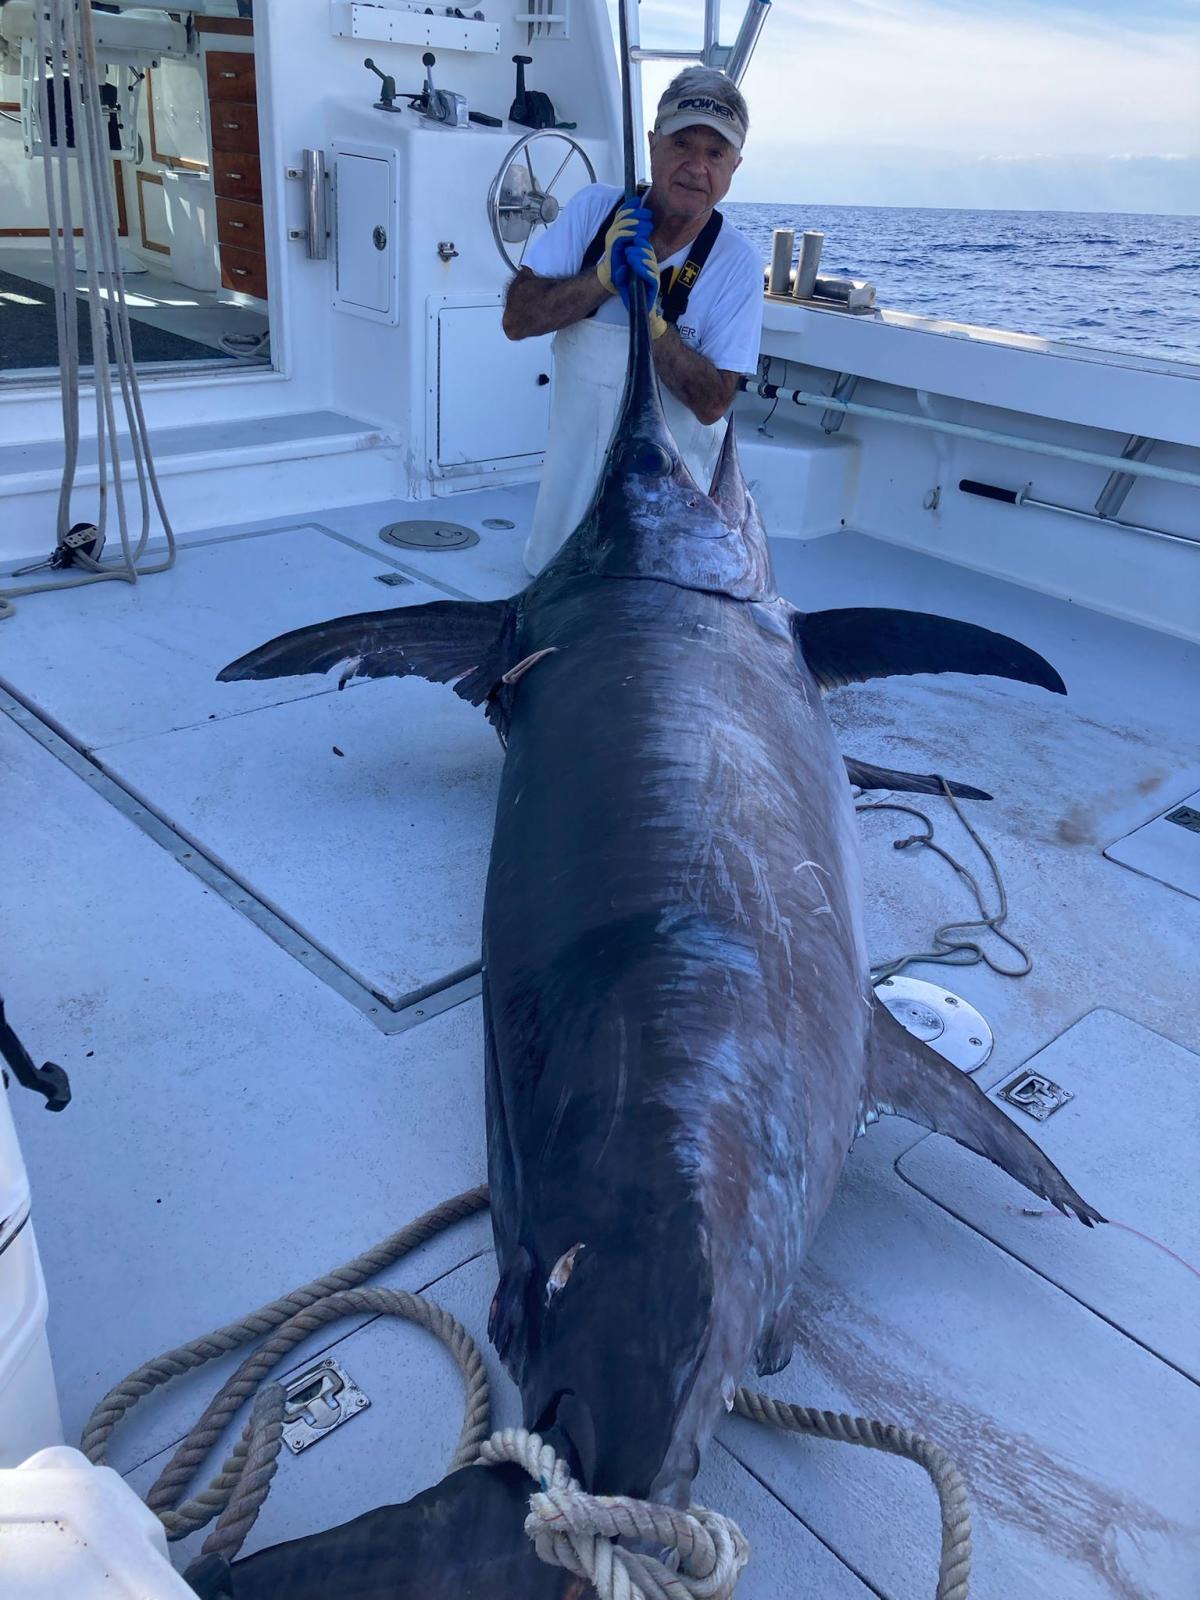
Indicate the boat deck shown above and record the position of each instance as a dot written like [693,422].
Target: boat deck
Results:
[245,918]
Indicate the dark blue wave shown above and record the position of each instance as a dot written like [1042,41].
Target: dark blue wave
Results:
[1084,278]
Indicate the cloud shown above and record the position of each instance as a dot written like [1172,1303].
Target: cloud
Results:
[886,176]
[1046,83]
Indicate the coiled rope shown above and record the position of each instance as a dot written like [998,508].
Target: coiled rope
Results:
[948,950]
[705,1551]
[65,54]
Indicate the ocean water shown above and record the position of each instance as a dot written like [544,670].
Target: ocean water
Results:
[1114,282]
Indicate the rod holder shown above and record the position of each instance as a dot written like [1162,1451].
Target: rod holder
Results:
[316,234]
[806,268]
[783,242]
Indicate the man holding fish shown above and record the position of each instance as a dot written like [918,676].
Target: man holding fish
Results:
[705,280]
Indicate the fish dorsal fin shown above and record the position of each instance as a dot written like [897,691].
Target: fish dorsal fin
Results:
[469,643]
[730,494]
[862,642]
[728,490]
[905,1078]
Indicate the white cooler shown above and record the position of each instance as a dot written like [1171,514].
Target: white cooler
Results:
[71,1531]
[29,1418]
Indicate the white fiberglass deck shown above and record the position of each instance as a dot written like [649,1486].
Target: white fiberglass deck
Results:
[238,1126]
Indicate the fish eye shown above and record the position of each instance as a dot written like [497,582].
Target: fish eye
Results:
[647,459]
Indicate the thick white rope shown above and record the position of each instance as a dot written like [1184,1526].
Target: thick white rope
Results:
[704,1551]
[578,1532]
[64,35]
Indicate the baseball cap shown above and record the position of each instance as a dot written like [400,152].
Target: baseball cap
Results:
[689,109]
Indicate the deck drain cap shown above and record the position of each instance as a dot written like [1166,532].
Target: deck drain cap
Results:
[946,1022]
[498,522]
[429,535]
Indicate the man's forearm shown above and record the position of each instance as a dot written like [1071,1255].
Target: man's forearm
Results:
[543,305]
[705,390]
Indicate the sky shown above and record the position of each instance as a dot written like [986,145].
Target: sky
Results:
[1022,104]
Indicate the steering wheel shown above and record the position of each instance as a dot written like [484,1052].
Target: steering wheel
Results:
[518,203]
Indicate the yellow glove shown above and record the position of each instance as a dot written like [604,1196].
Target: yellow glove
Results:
[637,260]
[631,222]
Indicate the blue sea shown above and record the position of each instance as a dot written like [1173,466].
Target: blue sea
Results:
[1114,282]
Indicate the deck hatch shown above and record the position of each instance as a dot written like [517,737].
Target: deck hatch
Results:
[1167,848]
[1128,1139]
[353,828]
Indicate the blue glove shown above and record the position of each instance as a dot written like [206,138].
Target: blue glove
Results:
[639,261]
[632,221]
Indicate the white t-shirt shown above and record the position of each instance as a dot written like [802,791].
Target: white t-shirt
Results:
[723,316]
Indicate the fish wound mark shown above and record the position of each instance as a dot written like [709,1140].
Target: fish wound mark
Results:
[561,1271]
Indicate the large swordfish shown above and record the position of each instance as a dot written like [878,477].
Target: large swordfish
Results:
[682,1040]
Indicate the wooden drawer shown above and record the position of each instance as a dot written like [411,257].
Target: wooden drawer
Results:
[237,177]
[230,75]
[244,269]
[240,223]
[234,126]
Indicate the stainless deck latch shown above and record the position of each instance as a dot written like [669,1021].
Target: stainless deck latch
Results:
[319,1400]
[1035,1094]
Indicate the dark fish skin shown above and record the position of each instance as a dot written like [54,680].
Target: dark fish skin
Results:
[681,1036]
[675,979]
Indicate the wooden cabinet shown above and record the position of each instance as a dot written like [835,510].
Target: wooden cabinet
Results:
[237,170]
[240,223]
[237,177]
[234,126]
[231,76]
[245,270]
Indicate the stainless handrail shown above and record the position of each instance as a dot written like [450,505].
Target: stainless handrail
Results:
[732,60]
[964,430]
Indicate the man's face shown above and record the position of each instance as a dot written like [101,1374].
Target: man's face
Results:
[691,170]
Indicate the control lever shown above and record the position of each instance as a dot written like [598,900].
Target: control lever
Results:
[532,108]
[387,95]
[441,105]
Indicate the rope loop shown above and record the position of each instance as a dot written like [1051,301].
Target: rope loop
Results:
[668,1554]
[705,1551]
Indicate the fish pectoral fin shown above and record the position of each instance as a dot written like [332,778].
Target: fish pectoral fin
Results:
[906,1078]
[465,642]
[861,642]
[508,1318]
[865,776]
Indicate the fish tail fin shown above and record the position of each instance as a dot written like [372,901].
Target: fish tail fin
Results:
[908,1079]
[464,1539]
[464,642]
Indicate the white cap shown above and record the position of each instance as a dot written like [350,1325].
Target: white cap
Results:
[690,110]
